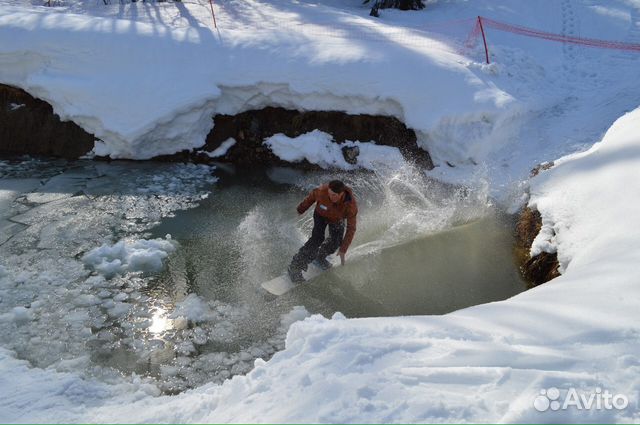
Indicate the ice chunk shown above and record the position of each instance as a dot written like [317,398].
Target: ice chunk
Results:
[296,314]
[97,281]
[193,308]
[180,323]
[21,315]
[138,256]
[119,309]
[61,186]
[121,297]
[86,300]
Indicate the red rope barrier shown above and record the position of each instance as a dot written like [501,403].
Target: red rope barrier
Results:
[591,42]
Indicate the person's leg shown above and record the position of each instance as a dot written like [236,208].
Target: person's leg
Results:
[331,245]
[307,253]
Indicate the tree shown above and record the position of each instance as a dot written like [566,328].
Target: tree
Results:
[396,4]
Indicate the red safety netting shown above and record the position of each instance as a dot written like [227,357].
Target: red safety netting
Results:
[462,34]
[591,42]
[482,24]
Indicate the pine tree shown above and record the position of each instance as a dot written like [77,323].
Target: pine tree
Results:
[397,4]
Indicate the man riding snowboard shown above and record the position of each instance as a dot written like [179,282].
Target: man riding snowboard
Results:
[335,202]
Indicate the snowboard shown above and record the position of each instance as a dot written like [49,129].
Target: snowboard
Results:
[282,284]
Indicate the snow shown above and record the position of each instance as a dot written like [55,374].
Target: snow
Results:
[227,74]
[192,308]
[492,123]
[298,313]
[144,256]
[587,201]
[19,315]
[317,148]
[222,149]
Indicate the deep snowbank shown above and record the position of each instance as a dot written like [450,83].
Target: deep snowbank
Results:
[590,199]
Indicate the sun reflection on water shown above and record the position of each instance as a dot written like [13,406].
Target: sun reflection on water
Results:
[160,323]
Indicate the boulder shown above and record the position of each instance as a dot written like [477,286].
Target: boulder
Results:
[350,154]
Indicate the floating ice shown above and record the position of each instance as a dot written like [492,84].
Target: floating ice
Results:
[137,256]
[18,315]
[193,308]
[296,314]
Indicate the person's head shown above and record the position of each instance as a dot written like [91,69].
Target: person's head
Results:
[336,190]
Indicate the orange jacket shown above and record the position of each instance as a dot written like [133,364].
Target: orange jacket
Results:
[334,213]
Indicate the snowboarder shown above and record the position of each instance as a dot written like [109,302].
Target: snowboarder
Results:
[335,202]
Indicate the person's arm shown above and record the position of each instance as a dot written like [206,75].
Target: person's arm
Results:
[351,230]
[307,202]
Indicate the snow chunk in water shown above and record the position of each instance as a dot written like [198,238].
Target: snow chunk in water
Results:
[296,314]
[137,256]
[317,148]
[192,308]
[19,315]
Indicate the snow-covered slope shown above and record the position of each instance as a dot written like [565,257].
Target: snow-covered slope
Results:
[147,78]
[146,86]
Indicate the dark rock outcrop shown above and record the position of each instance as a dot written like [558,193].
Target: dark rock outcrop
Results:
[29,126]
[250,128]
[544,266]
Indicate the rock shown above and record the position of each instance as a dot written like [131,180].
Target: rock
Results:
[251,128]
[350,154]
[544,266]
[29,126]
[541,167]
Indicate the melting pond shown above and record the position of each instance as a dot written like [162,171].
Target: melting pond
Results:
[421,248]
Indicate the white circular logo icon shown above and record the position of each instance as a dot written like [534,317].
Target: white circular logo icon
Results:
[548,399]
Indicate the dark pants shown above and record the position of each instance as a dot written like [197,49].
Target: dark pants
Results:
[317,246]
